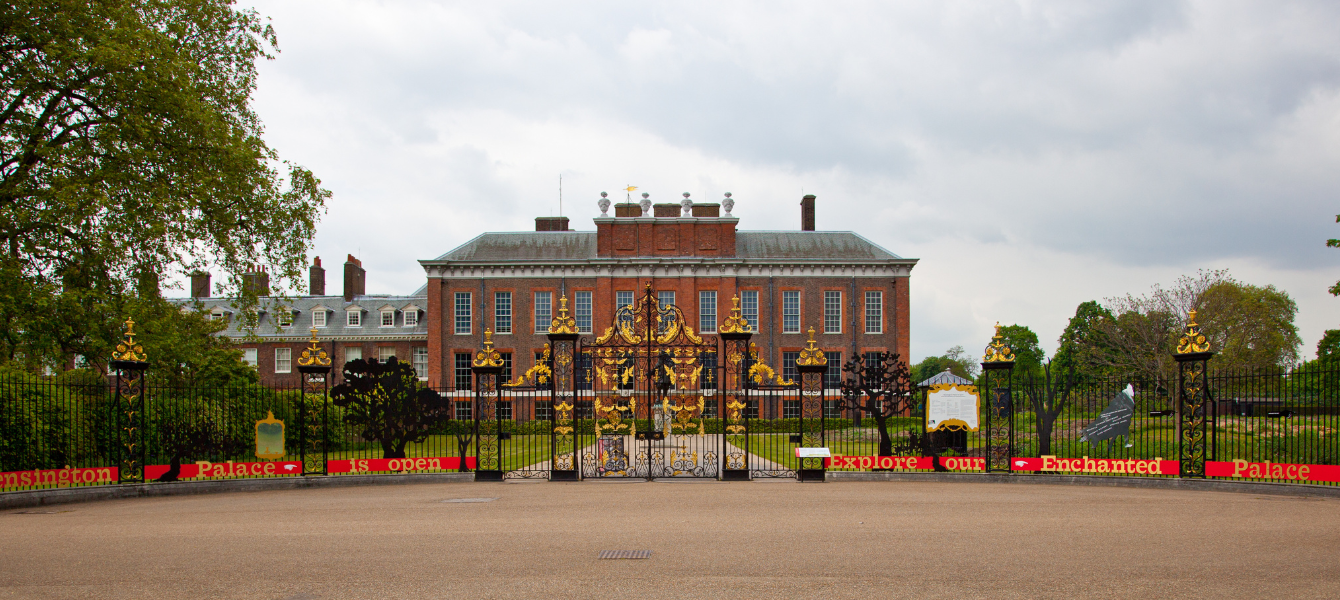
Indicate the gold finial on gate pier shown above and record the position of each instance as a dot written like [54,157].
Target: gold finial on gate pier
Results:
[130,350]
[811,356]
[488,357]
[1192,339]
[563,323]
[997,351]
[735,323]
[314,355]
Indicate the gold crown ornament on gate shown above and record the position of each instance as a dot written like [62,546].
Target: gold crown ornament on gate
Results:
[563,323]
[1193,340]
[314,356]
[488,357]
[811,356]
[997,351]
[735,323]
[130,350]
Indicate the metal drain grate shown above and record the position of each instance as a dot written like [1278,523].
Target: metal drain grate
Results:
[625,554]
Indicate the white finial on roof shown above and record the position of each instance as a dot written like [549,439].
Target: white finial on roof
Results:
[604,204]
[728,204]
[687,205]
[646,204]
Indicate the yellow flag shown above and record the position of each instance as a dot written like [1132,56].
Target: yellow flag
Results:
[631,188]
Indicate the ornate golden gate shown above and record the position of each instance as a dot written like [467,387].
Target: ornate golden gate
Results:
[647,388]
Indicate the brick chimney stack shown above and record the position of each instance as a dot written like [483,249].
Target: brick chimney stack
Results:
[551,224]
[199,284]
[354,279]
[256,281]
[316,278]
[807,213]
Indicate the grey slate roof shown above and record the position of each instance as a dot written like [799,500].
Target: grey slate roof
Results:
[749,245]
[335,317]
[945,377]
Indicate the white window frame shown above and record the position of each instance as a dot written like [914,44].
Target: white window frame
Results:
[790,312]
[283,360]
[319,318]
[251,357]
[543,318]
[501,327]
[468,315]
[877,308]
[582,310]
[619,296]
[353,318]
[383,356]
[749,307]
[385,314]
[707,311]
[356,349]
[662,295]
[832,300]
[284,317]
[420,354]
[410,317]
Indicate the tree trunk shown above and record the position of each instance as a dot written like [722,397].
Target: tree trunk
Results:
[1046,420]
[463,447]
[885,440]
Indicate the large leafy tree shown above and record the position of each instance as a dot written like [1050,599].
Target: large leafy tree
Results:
[1028,353]
[956,360]
[1248,326]
[129,151]
[384,401]
[1078,348]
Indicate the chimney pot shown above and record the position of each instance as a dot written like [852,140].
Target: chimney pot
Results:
[807,213]
[199,284]
[316,277]
[354,279]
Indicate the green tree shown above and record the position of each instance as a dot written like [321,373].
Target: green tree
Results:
[1024,343]
[1249,326]
[1078,345]
[955,360]
[128,151]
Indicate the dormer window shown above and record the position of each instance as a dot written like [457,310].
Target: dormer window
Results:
[388,318]
[353,318]
[216,314]
[411,317]
[285,317]
[318,317]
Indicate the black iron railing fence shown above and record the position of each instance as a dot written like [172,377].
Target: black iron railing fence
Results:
[50,426]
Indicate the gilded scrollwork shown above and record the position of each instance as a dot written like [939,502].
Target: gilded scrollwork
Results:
[1193,340]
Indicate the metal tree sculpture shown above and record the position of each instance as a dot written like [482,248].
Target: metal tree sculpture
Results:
[385,401]
[880,387]
[1048,400]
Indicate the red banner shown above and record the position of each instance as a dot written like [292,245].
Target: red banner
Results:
[1242,469]
[402,465]
[1097,466]
[203,469]
[904,463]
[59,477]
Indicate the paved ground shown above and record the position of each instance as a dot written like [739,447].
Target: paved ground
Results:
[710,540]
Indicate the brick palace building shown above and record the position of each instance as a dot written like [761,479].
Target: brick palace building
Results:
[850,290]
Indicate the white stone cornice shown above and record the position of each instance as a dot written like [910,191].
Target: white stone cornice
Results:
[672,268]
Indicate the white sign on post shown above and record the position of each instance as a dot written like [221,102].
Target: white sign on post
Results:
[952,407]
[813,453]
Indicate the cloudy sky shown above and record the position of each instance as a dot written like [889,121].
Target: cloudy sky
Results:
[1033,155]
